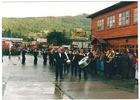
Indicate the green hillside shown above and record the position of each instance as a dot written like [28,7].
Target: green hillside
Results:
[40,26]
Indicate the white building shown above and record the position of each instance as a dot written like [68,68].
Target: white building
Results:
[12,39]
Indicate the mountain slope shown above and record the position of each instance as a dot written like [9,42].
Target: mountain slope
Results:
[39,26]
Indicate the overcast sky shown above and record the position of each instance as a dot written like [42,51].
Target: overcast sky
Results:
[43,8]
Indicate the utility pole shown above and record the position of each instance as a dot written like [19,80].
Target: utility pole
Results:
[82,44]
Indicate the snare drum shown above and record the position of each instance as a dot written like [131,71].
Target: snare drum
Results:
[84,62]
[68,62]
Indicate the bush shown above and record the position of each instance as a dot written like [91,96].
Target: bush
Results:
[5,51]
[14,51]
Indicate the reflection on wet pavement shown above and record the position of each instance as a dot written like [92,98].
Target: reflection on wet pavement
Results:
[32,90]
[29,81]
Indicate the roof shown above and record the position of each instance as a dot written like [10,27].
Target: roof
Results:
[111,8]
[7,38]
[101,41]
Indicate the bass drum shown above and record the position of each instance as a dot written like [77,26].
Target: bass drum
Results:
[84,62]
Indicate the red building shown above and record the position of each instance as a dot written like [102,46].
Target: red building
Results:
[117,26]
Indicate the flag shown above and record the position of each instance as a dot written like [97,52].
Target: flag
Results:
[93,36]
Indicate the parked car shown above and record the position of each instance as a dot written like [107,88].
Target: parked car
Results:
[22,46]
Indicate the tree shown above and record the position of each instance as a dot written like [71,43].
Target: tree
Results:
[57,38]
[9,33]
[4,33]
[40,46]
[21,29]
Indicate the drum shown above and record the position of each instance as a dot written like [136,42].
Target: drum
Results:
[84,62]
[68,62]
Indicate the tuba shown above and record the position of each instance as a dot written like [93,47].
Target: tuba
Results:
[95,54]
[112,54]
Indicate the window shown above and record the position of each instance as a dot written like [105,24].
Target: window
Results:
[111,21]
[114,47]
[125,47]
[135,15]
[137,48]
[100,24]
[124,18]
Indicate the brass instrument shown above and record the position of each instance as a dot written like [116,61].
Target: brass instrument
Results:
[95,54]
[111,56]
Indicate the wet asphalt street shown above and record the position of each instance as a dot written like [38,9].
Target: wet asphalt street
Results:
[37,82]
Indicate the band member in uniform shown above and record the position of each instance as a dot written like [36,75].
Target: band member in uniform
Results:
[93,63]
[87,54]
[23,56]
[45,57]
[51,57]
[70,57]
[81,56]
[107,63]
[74,63]
[65,64]
[55,51]
[59,58]
[35,56]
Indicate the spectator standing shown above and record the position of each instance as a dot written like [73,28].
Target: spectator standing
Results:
[45,57]
[134,60]
[136,73]
[23,55]
[130,68]
[102,61]
[35,56]
[39,52]
[19,53]
[124,64]
[116,62]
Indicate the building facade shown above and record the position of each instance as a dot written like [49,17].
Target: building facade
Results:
[117,25]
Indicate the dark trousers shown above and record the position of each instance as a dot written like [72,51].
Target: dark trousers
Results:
[88,68]
[93,66]
[84,70]
[35,59]
[74,67]
[107,69]
[51,60]
[66,67]
[58,69]
[133,72]
[23,59]
[45,60]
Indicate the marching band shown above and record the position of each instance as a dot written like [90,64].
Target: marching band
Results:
[77,61]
